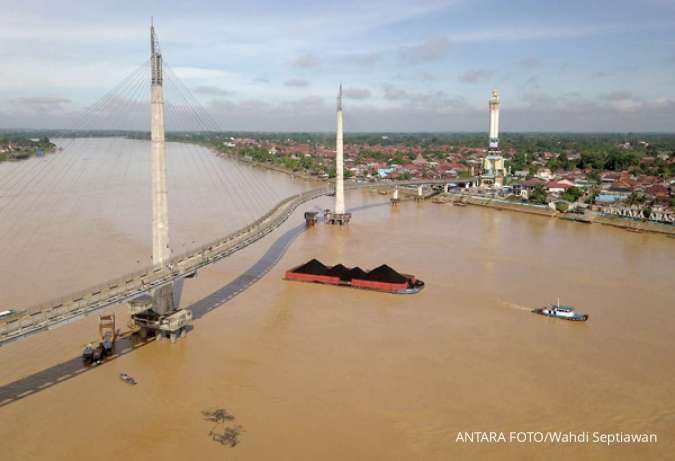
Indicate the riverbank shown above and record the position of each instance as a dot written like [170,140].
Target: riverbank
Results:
[16,149]
[587,218]
[263,165]
[635,225]
[543,210]
[498,204]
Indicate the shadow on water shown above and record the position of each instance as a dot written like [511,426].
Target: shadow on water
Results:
[69,369]
[61,372]
[248,278]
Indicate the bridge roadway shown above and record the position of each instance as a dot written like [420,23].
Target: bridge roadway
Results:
[75,306]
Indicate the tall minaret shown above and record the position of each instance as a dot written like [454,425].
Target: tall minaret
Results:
[163,296]
[339,161]
[494,120]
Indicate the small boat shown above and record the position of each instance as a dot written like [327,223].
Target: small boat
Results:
[459,204]
[561,312]
[127,379]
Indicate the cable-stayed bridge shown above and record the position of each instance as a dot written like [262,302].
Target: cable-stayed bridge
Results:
[122,110]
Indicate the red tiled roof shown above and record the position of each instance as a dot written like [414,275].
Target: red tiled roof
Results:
[557,185]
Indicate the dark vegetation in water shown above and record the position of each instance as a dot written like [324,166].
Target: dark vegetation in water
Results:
[221,432]
[229,437]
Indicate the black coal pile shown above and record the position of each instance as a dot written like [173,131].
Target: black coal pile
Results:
[382,273]
[313,266]
[385,274]
[339,271]
[357,273]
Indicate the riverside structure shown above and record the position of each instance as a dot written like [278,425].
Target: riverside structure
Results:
[493,165]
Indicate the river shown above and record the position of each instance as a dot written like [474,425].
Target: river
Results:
[317,372]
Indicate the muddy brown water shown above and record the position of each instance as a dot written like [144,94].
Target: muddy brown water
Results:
[320,372]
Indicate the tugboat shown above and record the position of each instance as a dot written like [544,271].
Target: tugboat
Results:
[561,312]
[7,313]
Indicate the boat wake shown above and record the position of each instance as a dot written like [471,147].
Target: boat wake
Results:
[516,306]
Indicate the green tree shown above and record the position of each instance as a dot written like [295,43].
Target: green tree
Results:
[572,194]
[538,195]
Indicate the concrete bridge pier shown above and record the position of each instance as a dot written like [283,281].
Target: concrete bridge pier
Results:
[420,194]
[394,197]
[162,300]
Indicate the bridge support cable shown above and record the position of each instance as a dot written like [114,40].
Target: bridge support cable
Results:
[206,158]
[52,180]
[208,124]
[25,231]
[44,169]
[215,192]
[83,122]
[18,184]
[114,160]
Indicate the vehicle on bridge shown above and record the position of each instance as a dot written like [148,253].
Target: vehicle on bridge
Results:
[311,218]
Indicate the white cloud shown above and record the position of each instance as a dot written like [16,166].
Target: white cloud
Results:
[430,50]
[209,90]
[476,75]
[306,61]
[296,83]
[356,93]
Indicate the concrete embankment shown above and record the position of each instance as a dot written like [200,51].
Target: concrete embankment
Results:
[504,205]
[588,218]
[635,225]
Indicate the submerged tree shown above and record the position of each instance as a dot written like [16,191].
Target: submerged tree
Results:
[219,415]
[229,437]
[224,435]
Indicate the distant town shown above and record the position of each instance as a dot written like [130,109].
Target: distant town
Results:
[626,175]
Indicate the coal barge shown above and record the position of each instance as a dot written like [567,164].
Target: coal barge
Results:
[382,278]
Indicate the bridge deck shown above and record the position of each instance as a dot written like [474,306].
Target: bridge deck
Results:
[60,311]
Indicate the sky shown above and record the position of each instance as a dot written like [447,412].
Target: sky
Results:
[424,65]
